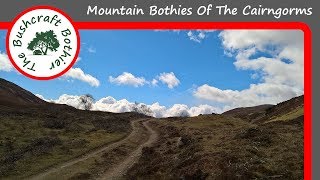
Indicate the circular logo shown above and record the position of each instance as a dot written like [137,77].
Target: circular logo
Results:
[42,43]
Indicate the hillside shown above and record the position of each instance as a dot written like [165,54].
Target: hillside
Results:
[11,94]
[41,134]
[286,110]
[228,146]
[262,142]
[263,113]
[249,113]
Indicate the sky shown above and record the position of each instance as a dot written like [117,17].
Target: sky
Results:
[176,72]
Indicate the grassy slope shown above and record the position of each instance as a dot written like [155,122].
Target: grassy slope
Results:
[223,147]
[290,115]
[96,166]
[34,138]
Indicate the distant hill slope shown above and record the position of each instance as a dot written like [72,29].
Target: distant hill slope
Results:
[265,113]
[249,113]
[11,94]
[286,110]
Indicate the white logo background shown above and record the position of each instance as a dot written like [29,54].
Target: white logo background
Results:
[43,65]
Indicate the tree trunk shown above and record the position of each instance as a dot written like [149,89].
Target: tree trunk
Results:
[45,53]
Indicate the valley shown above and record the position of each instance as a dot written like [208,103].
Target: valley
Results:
[41,140]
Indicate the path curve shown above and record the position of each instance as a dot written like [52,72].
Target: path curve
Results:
[54,169]
[120,170]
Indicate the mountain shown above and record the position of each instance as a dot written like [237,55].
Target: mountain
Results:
[286,110]
[249,113]
[12,94]
[264,113]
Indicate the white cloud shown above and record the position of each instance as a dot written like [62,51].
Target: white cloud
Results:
[40,96]
[155,109]
[158,111]
[109,104]
[203,109]
[154,82]
[92,50]
[195,35]
[5,64]
[178,110]
[169,79]
[70,100]
[198,35]
[280,46]
[77,73]
[254,76]
[128,79]
[164,30]
[275,56]
[257,94]
[73,101]
[78,59]
[73,73]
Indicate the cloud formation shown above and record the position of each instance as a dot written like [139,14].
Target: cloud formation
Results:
[154,82]
[169,79]
[195,35]
[77,73]
[128,79]
[5,64]
[92,50]
[73,73]
[276,57]
[110,104]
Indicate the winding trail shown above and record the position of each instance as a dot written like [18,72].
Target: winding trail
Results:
[118,169]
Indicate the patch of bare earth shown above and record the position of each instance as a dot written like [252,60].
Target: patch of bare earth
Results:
[118,171]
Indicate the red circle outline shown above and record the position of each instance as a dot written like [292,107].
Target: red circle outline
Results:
[36,77]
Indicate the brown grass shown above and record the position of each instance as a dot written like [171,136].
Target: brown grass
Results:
[223,147]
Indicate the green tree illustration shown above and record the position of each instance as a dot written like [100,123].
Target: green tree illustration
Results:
[43,42]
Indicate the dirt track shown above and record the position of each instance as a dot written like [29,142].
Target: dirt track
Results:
[120,168]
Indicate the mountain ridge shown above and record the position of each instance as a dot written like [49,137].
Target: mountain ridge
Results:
[12,94]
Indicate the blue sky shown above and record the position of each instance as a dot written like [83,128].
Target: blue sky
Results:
[147,54]
[196,58]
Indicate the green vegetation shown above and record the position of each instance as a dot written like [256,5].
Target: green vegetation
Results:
[33,139]
[96,165]
[228,147]
[295,113]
